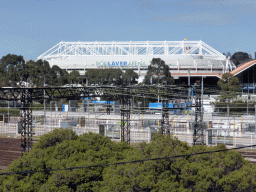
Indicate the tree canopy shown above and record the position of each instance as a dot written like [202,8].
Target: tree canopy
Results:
[229,87]
[158,73]
[111,76]
[221,171]
[240,57]
[14,70]
[130,76]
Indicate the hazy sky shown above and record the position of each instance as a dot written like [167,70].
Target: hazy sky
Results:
[31,27]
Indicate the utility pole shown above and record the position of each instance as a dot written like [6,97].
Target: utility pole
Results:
[202,93]
[44,102]
[8,117]
[44,98]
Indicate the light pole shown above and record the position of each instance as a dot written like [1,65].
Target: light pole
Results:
[8,118]
[255,117]
[44,96]
[56,109]
[202,93]
[51,114]
[44,102]
[139,103]
[247,102]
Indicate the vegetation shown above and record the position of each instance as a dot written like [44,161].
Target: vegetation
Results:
[222,171]
[230,87]
[12,111]
[111,76]
[130,77]
[14,71]
[104,76]
[239,58]
[158,73]
[236,107]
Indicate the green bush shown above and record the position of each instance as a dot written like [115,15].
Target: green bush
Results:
[12,111]
[220,171]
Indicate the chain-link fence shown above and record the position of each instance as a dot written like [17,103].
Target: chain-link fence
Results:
[233,131]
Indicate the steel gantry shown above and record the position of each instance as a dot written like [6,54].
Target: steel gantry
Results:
[28,95]
[198,136]
[165,127]
[125,119]
[26,120]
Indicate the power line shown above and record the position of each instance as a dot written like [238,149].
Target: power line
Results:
[122,163]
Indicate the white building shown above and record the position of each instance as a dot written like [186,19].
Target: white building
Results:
[180,56]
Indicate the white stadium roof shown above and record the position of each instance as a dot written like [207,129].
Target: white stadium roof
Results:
[137,55]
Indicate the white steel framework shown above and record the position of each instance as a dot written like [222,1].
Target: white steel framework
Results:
[155,48]
[137,55]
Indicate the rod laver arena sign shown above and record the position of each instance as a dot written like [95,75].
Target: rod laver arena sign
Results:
[120,64]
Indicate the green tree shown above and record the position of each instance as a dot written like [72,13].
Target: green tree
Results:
[158,73]
[9,66]
[74,77]
[130,76]
[222,171]
[61,149]
[219,171]
[240,58]
[104,76]
[14,70]
[54,137]
[230,87]
[61,74]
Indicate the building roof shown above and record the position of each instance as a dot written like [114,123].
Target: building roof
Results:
[197,74]
[235,72]
[243,67]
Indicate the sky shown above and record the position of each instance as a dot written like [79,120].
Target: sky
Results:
[31,27]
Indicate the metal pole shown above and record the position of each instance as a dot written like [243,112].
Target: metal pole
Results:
[8,117]
[88,111]
[202,92]
[248,92]
[158,93]
[51,113]
[228,114]
[235,138]
[251,140]
[255,117]
[224,137]
[44,103]
[188,77]
[216,137]
[139,123]
[247,101]
[56,111]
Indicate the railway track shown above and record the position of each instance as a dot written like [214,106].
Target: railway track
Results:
[249,155]
[9,151]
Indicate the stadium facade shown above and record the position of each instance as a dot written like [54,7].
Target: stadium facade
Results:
[193,58]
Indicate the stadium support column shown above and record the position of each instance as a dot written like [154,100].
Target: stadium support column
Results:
[165,128]
[198,136]
[125,119]
[26,121]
